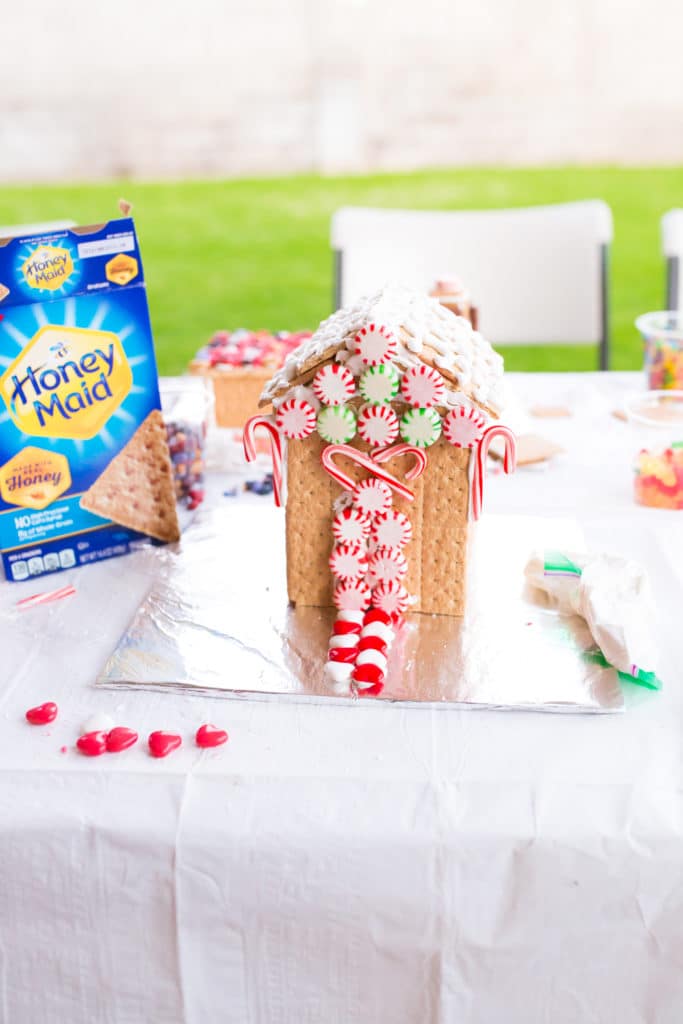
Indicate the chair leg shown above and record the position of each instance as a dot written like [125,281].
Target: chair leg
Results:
[672,283]
[337,283]
[604,311]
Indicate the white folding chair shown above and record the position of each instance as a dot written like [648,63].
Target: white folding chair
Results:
[537,275]
[672,244]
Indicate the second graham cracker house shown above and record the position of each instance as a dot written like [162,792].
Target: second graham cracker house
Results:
[444,384]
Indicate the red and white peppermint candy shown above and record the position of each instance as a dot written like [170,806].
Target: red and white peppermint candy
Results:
[348,562]
[390,597]
[351,595]
[296,419]
[423,387]
[376,344]
[371,656]
[342,627]
[376,633]
[372,496]
[351,615]
[378,425]
[334,384]
[391,529]
[464,426]
[370,677]
[351,525]
[373,643]
[387,564]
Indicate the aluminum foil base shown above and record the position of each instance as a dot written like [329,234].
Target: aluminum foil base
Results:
[216,619]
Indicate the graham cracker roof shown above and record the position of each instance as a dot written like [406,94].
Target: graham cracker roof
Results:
[426,332]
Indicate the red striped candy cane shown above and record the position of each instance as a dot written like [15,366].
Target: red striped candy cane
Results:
[47,597]
[384,454]
[509,462]
[327,459]
[250,427]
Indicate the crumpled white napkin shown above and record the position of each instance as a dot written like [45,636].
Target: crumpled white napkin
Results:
[613,595]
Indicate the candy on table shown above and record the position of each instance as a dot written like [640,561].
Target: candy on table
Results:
[333,384]
[348,561]
[43,714]
[351,595]
[663,365]
[371,496]
[659,478]
[186,448]
[120,738]
[421,427]
[295,419]
[379,384]
[251,348]
[210,736]
[463,426]
[378,425]
[391,529]
[423,387]
[337,424]
[162,743]
[92,744]
[351,525]
[387,564]
[376,344]
[390,597]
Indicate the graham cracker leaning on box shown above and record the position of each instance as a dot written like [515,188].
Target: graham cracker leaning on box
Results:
[136,489]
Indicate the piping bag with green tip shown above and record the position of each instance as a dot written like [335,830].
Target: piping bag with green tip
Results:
[613,595]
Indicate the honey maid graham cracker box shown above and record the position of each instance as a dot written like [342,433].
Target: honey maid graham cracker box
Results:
[78,378]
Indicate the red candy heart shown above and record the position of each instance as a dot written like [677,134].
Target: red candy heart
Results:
[163,743]
[92,744]
[120,738]
[210,736]
[43,714]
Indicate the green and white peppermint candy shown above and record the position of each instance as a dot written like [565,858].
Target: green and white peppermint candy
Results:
[379,384]
[337,424]
[421,427]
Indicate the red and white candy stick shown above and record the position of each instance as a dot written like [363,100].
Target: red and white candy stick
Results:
[47,597]
[348,562]
[509,462]
[296,419]
[334,384]
[378,424]
[371,496]
[385,454]
[327,459]
[422,387]
[391,529]
[250,428]
[463,426]
[351,525]
[376,344]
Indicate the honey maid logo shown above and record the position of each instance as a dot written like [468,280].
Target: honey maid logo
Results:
[48,268]
[66,383]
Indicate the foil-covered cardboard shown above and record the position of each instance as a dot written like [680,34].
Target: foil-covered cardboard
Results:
[216,619]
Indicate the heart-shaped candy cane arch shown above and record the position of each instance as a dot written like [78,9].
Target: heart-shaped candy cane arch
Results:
[384,454]
[509,462]
[267,423]
[367,462]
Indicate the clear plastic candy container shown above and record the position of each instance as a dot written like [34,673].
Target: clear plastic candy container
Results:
[656,419]
[187,407]
[663,339]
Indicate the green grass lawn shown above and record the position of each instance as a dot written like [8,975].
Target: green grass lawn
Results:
[255,253]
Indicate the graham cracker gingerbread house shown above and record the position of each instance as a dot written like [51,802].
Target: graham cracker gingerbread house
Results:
[387,412]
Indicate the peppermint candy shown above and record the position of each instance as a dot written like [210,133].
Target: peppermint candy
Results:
[378,425]
[390,597]
[351,525]
[387,564]
[376,345]
[464,426]
[295,419]
[337,424]
[379,384]
[391,529]
[351,595]
[420,427]
[348,562]
[334,384]
[372,496]
[423,387]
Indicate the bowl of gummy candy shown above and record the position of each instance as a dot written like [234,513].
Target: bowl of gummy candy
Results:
[662,335]
[656,418]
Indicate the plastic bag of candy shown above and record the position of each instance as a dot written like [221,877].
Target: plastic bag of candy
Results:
[187,404]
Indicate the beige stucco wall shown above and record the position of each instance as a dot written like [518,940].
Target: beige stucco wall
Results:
[226,87]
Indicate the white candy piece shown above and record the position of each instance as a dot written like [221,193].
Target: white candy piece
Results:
[337,671]
[344,640]
[350,615]
[99,722]
[378,629]
[370,657]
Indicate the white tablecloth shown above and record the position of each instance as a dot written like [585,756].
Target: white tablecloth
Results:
[369,863]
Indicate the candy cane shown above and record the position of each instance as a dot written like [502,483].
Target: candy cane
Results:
[47,597]
[509,462]
[250,427]
[384,454]
[327,459]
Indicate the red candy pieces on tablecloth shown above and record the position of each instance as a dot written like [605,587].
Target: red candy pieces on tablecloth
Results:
[334,384]
[120,738]
[422,387]
[92,744]
[43,714]
[376,345]
[210,736]
[161,743]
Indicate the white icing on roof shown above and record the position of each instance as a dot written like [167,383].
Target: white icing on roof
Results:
[460,350]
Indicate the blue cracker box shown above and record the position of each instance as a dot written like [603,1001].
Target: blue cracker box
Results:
[77,378]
